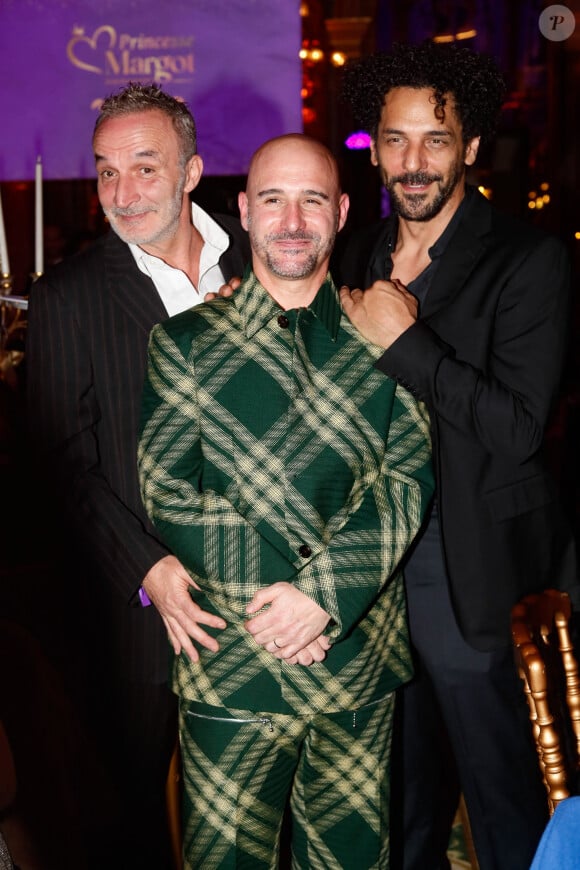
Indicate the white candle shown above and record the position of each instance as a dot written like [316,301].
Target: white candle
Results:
[38,236]
[4,264]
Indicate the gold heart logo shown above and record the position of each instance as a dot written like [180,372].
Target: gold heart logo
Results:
[80,39]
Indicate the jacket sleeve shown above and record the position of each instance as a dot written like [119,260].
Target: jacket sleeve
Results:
[63,414]
[346,571]
[505,407]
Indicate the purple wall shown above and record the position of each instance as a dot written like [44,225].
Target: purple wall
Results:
[235,62]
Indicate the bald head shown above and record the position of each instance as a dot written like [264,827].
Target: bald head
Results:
[294,146]
[292,209]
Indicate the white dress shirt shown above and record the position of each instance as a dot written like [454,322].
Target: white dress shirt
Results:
[176,290]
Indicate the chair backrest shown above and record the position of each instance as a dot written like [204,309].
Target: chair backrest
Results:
[547,665]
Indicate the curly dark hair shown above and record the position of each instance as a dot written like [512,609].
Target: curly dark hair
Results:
[136,97]
[473,79]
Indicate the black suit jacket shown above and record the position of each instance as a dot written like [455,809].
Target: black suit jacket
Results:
[88,328]
[486,356]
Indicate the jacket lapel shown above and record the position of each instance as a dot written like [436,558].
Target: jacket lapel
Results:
[133,291]
[461,257]
[234,260]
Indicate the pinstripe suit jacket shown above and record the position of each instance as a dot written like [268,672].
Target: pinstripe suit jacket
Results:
[273,451]
[89,322]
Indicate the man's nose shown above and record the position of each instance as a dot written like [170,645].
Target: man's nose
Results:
[414,158]
[126,192]
[293,216]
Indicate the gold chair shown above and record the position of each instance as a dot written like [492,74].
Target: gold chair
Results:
[547,665]
[173,803]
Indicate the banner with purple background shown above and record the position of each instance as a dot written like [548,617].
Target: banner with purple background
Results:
[235,63]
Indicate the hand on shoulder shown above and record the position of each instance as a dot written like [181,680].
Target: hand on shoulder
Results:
[382,313]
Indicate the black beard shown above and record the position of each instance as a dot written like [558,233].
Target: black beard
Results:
[409,206]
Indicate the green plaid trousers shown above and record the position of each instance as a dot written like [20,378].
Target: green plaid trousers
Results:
[240,768]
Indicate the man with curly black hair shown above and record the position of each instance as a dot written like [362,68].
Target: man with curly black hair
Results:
[470,308]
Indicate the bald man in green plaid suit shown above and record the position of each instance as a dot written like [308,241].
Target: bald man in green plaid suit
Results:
[290,477]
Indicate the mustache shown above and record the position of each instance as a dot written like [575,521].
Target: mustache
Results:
[129,212]
[415,178]
[288,236]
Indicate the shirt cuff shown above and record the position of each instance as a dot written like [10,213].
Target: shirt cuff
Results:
[144,598]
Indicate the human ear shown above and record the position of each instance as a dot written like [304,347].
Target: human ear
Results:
[471,150]
[193,172]
[243,207]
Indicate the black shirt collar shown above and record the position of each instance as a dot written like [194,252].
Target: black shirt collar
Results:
[381,266]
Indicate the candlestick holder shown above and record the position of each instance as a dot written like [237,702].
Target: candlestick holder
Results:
[6,283]
[12,331]
[34,276]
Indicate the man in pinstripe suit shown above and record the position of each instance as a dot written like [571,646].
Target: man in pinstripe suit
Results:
[89,321]
[290,480]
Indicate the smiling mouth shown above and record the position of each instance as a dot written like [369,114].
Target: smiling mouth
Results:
[289,244]
[130,216]
[416,183]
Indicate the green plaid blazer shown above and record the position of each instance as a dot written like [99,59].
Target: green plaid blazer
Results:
[271,449]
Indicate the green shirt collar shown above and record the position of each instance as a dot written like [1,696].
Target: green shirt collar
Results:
[257,308]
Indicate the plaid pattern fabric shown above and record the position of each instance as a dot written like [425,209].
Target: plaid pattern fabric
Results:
[239,768]
[271,450]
